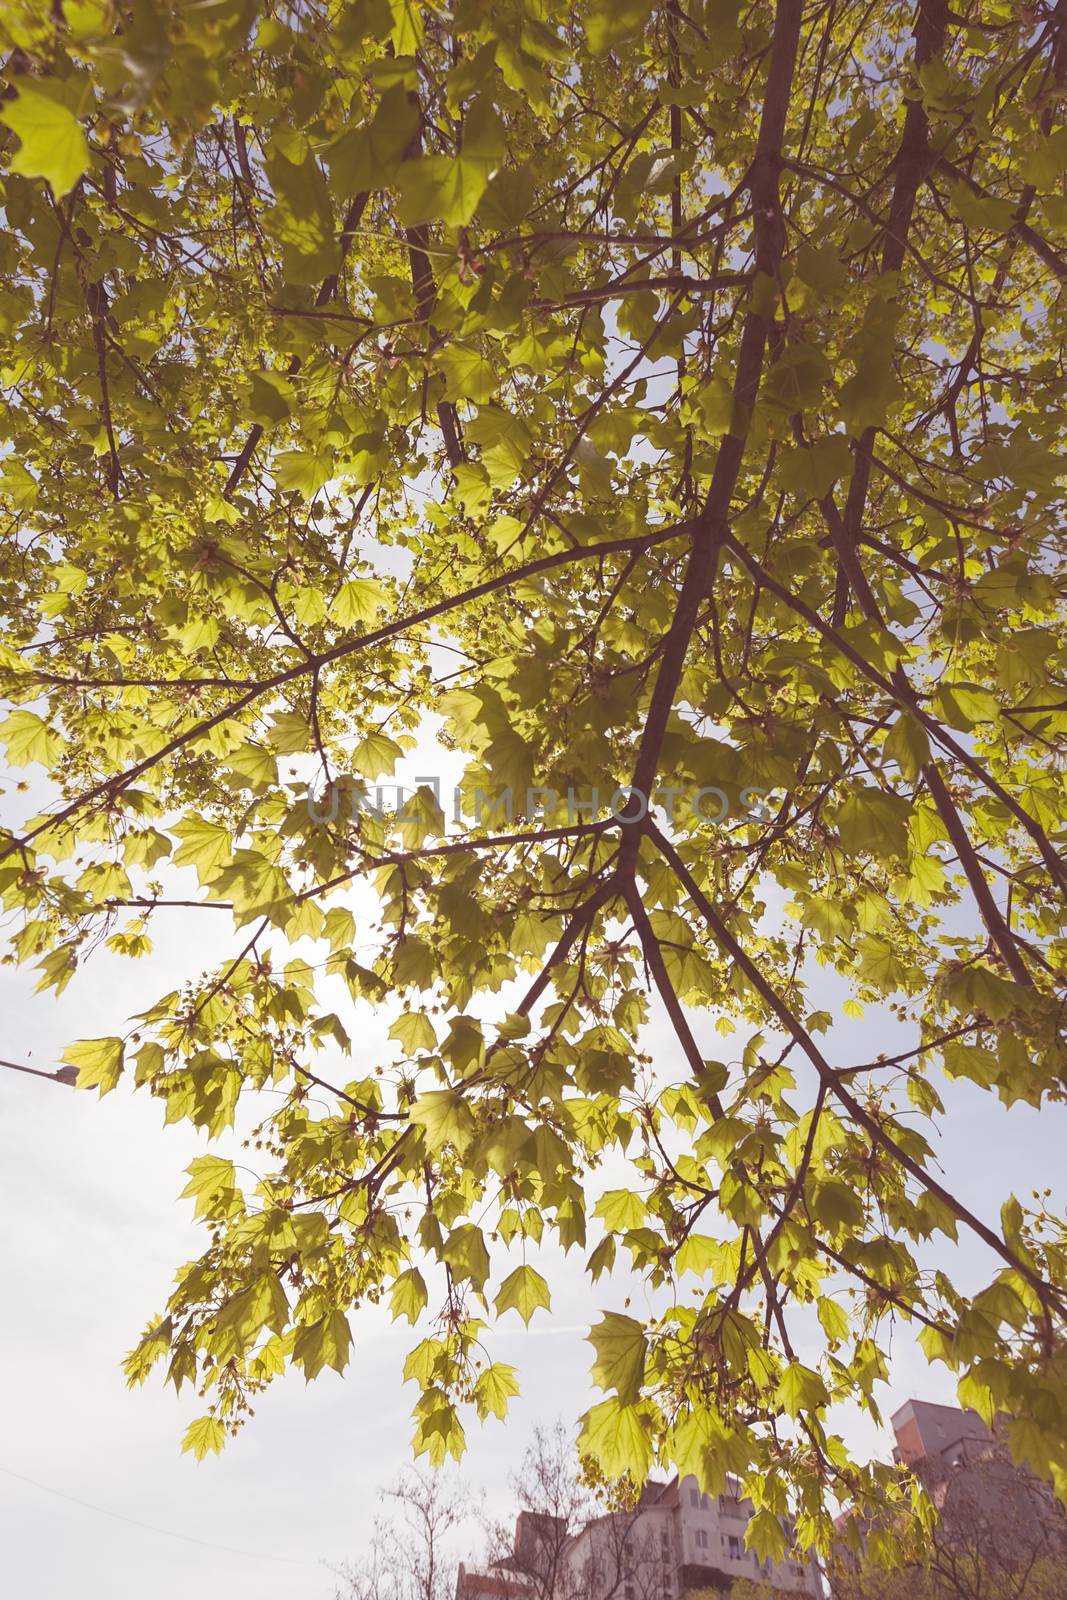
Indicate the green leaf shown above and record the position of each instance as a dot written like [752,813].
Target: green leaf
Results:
[253,762]
[715,402]
[339,927]
[765,1535]
[445,1118]
[244,1316]
[205,845]
[256,888]
[972,1061]
[965,705]
[273,397]
[52,144]
[29,739]
[616,1436]
[464,1047]
[837,1206]
[408,26]
[441,188]
[812,472]
[822,269]
[1033,1447]
[874,821]
[1011,1220]
[700,1254]
[366,157]
[982,212]
[212,1184]
[867,398]
[524,1291]
[466,1254]
[290,733]
[357,601]
[834,1319]
[497,1385]
[206,1435]
[420,817]
[620,1209]
[620,1346]
[908,745]
[409,1297]
[468,375]
[473,489]
[304,471]
[376,755]
[795,382]
[325,1343]
[800,1390]
[99,1063]
[607,25]
[414,1030]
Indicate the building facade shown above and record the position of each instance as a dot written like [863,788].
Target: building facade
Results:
[490,1583]
[988,1505]
[992,1512]
[925,1432]
[677,1541]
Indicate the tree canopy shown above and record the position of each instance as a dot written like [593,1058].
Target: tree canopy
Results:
[670,398]
[1043,1579]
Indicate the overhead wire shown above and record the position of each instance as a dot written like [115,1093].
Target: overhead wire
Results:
[149,1527]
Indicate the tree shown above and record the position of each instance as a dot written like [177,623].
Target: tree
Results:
[999,1535]
[1046,1579]
[554,1506]
[997,1526]
[411,1554]
[557,1505]
[669,397]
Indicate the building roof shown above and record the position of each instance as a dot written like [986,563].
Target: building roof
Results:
[655,1493]
[484,1583]
[924,1429]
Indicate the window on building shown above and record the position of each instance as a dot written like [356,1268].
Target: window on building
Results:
[694,1495]
[733,1546]
[702,1539]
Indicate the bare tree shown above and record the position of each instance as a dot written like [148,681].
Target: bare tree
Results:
[412,1553]
[568,1543]
[998,1526]
[1044,1580]
[1000,1535]
[554,1506]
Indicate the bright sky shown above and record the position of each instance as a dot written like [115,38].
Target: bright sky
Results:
[93,1231]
